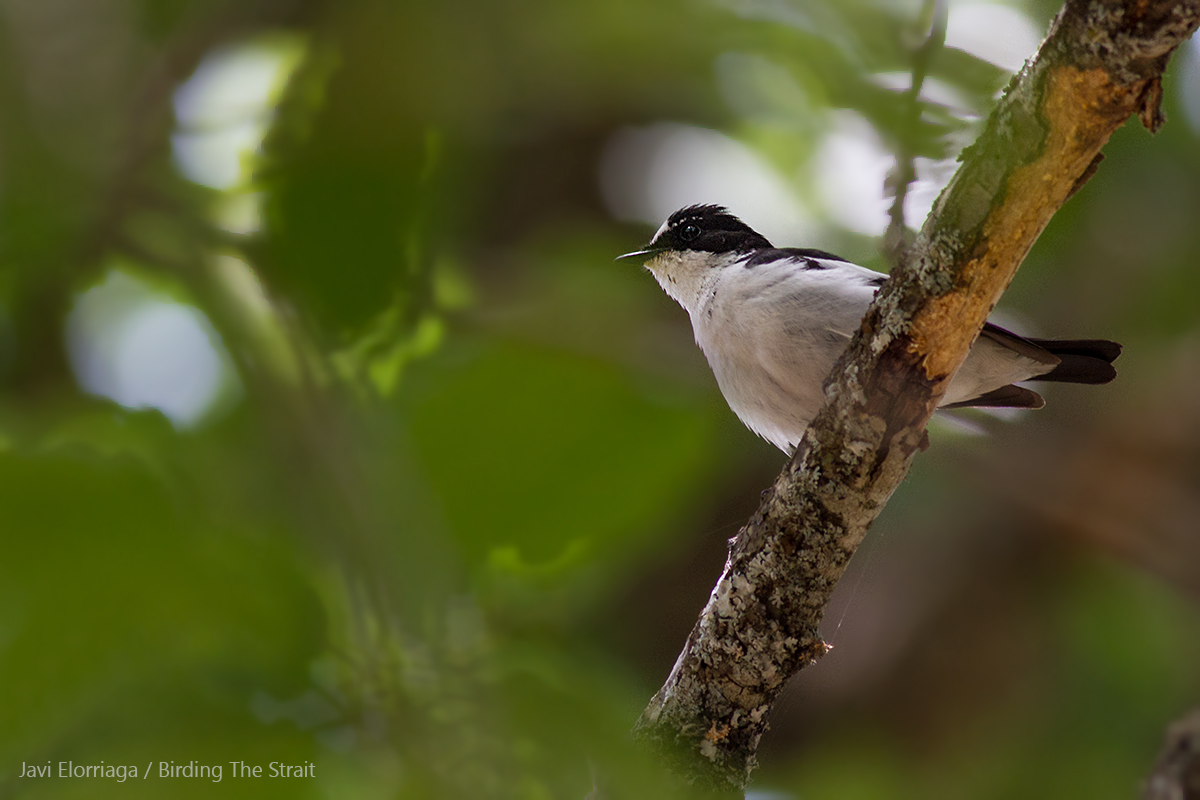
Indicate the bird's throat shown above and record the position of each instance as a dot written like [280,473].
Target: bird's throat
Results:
[686,276]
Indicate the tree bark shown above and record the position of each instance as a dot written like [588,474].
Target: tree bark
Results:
[1101,62]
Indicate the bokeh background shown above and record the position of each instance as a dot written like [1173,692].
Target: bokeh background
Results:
[331,434]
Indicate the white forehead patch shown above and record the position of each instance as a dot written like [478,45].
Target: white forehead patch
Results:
[662,229]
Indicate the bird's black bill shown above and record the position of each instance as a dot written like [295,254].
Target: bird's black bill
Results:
[648,252]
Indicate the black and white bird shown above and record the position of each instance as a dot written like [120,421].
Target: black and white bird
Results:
[773,320]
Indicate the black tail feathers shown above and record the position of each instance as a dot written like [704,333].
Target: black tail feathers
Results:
[1080,361]
[1011,396]
[1083,360]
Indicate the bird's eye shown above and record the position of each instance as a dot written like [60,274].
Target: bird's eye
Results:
[689,232]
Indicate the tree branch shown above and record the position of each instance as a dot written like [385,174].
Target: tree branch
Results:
[1101,62]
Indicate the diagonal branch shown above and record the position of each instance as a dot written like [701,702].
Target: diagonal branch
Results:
[1101,62]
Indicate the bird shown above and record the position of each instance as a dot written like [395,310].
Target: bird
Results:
[773,320]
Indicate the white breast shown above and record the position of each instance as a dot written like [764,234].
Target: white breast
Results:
[772,333]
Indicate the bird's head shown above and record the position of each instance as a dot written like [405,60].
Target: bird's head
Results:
[701,229]
[690,244]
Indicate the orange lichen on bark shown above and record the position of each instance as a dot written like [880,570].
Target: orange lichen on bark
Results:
[717,732]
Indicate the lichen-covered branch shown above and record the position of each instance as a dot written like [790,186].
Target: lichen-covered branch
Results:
[1101,63]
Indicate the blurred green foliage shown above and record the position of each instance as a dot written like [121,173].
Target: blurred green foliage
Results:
[447,533]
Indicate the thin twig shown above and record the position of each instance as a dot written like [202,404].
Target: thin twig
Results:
[934,16]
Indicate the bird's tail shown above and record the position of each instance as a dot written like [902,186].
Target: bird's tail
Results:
[1080,361]
[1083,360]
